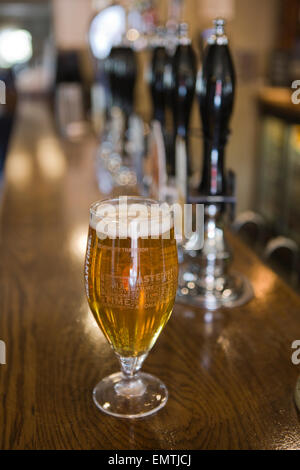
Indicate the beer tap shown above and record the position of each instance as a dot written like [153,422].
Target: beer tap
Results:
[216,98]
[205,279]
[122,72]
[184,80]
[156,82]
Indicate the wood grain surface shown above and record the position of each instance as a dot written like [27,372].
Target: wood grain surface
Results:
[229,373]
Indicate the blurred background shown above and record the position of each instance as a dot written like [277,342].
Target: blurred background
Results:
[64,54]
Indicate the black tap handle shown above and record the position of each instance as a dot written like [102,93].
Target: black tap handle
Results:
[184,80]
[122,71]
[216,97]
[158,64]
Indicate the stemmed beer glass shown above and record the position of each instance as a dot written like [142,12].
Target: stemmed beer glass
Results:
[131,272]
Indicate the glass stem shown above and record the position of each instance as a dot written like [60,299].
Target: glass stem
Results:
[131,385]
[130,366]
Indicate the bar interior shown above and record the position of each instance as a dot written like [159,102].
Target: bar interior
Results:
[175,117]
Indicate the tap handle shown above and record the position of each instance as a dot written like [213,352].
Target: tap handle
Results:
[184,79]
[216,88]
[157,73]
[184,71]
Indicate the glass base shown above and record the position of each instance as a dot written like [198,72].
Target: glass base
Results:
[297,394]
[232,290]
[136,397]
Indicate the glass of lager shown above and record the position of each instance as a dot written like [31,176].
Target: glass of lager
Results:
[131,272]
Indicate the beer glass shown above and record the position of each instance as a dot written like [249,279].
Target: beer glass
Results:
[131,272]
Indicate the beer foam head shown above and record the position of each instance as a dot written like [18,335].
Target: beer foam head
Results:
[133,220]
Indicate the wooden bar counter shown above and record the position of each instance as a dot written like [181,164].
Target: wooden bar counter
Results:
[230,375]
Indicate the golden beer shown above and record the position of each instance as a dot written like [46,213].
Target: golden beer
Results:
[131,287]
[131,274]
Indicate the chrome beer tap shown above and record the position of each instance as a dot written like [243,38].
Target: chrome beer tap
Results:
[205,277]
